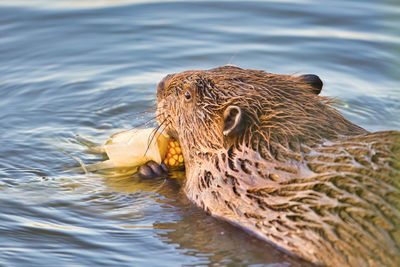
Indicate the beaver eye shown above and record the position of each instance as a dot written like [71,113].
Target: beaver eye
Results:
[188,96]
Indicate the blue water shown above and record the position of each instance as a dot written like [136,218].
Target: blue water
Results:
[83,70]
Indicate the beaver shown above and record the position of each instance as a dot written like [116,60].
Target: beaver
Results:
[266,153]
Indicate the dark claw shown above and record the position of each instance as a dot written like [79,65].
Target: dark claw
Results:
[145,171]
[157,170]
[164,167]
[152,170]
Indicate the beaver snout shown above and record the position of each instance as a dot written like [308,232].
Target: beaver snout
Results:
[162,85]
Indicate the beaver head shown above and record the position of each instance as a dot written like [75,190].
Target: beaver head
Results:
[265,152]
[225,106]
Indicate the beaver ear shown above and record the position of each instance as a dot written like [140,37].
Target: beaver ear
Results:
[232,120]
[314,81]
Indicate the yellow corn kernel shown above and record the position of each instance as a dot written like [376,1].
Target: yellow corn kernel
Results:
[174,157]
[171,162]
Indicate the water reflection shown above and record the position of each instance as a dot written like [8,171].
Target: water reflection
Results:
[187,230]
[89,68]
[233,245]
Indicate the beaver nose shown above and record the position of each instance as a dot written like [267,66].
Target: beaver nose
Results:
[163,84]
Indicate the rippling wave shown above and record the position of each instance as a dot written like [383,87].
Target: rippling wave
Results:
[72,69]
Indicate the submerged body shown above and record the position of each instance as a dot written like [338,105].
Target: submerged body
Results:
[267,154]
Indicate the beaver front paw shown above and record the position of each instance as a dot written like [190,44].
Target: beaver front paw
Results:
[152,169]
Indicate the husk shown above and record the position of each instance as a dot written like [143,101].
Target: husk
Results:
[133,148]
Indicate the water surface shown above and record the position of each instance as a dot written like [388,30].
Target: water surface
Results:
[73,70]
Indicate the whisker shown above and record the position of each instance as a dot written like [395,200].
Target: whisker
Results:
[155,130]
[148,145]
[138,114]
[146,122]
[147,111]
[232,58]
[154,133]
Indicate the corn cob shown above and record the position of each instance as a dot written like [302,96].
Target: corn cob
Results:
[173,157]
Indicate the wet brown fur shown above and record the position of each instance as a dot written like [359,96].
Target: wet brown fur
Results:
[296,174]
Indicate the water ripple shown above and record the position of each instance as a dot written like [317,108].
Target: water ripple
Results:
[73,70]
